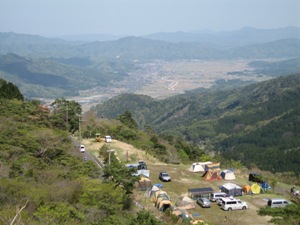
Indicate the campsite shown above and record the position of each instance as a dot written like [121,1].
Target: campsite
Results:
[184,179]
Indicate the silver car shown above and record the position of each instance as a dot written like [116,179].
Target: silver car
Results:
[204,202]
[164,176]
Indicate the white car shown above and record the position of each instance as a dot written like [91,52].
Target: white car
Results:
[82,148]
[107,139]
[229,204]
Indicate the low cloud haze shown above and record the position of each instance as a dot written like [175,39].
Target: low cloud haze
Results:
[142,17]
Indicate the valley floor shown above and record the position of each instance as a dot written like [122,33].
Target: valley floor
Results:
[162,79]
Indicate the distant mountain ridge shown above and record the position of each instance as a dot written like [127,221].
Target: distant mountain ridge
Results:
[165,46]
[246,35]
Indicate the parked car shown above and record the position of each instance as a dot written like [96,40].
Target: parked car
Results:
[217,195]
[233,204]
[82,148]
[219,201]
[278,203]
[204,202]
[164,176]
[108,139]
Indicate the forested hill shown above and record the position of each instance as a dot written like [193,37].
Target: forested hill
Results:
[258,124]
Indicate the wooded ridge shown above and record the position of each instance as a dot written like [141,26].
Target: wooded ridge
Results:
[253,124]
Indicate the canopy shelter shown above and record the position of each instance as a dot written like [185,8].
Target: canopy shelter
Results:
[231,189]
[195,193]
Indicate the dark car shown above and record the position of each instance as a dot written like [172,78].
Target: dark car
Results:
[204,202]
[164,176]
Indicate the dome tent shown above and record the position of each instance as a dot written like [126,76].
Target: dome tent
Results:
[227,175]
[198,167]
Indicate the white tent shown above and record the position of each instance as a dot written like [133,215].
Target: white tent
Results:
[227,175]
[198,167]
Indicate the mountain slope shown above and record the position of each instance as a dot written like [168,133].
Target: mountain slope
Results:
[56,77]
[260,118]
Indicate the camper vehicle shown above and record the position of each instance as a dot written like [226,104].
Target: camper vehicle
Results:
[107,139]
[82,148]
[277,203]
[229,204]
[215,196]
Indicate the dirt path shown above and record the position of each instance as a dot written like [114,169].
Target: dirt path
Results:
[124,151]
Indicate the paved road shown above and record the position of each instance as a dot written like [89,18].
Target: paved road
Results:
[86,155]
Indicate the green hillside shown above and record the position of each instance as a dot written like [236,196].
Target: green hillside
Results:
[59,77]
[44,179]
[252,124]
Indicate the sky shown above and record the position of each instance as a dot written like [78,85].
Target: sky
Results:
[54,18]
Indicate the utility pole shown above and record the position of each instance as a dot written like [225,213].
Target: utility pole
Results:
[67,118]
[109,151]
[80,120]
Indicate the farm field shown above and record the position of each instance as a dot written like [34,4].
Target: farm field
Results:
[163,79]
[176,77]
[182,180]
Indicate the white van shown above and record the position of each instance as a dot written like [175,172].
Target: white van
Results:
[107,138]
[229,204]
[215,196]
[277,203]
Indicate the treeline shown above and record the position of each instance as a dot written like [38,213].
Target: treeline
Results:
[9,91]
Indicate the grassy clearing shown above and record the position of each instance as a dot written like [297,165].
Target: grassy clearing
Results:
[182,180]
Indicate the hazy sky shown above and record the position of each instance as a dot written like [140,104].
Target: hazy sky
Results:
[140,17]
